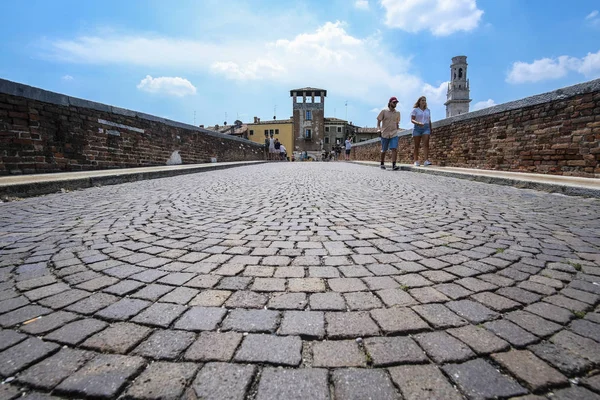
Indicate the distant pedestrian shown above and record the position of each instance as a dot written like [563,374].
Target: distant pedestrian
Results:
[388,124]
[348,148]
[421,118]
[267,144]
[277,147]
[271,148]
[282,152]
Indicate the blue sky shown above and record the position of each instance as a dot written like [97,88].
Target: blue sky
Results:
[226,60]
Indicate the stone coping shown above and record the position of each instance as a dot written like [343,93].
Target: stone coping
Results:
[41,184]
[567,185]
[45,96]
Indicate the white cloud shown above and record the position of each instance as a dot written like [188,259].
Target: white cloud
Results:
[254,70]
[174,86]
[361,4]
[435,94]
[554,68]
[590,65]
[327,57]
[480,105]
[441,17]
[67,78]
[377,109]
[592,15]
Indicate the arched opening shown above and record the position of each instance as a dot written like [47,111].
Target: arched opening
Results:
[460,73]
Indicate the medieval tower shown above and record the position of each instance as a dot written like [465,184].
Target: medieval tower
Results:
[458,89]
[308,119]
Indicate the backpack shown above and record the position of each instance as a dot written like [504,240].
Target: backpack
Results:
[277,145]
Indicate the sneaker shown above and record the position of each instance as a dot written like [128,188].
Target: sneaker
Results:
[382,166]
[426,163]
[417,164]
[395,168]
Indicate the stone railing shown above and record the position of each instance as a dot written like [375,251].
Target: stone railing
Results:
[551,133]
[42,131]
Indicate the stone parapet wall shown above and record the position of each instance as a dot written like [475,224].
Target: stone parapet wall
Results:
[552,133]
[42,131]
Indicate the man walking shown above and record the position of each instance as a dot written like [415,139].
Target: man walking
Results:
[388,123]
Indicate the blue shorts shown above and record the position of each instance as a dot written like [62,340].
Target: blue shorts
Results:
[392,143]
[421,130]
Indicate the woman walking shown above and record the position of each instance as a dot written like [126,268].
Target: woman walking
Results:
[421,118]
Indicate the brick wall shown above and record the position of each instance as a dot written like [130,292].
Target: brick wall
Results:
[552,133]
[42,131]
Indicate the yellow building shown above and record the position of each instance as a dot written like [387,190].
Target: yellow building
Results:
[281,129]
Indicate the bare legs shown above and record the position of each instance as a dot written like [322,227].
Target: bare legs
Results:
[417,141]
[426,146]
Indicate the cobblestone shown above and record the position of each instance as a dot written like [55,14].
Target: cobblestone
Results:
[223,381]
[51,371]
[24,354]
[284,350]
[199,266]
[338,353]
[526,367]
[418,382]
[118,338]
[387,351]
[214,346]
[162,380]
[300,384]
[479,380]
[103,377]
[165,345]
[443,348]
[356,384]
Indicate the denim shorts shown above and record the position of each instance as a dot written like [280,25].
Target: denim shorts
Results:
[391,143]
[421,130]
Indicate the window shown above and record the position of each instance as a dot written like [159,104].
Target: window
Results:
[326,140]
[308,134]
[271,132]
[251,132]
[326,129]
[308,115]
[277,131]
[339,129]
[460,73]
[266,132]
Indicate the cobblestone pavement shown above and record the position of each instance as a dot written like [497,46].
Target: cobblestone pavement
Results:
[300,281]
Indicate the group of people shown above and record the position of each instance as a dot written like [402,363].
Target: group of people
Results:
[274,149]
[335,152]
[388,125]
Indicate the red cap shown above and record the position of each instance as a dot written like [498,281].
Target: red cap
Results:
[393,99]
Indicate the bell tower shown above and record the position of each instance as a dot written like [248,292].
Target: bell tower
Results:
[458,89]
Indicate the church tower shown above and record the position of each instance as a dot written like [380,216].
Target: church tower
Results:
[458,89]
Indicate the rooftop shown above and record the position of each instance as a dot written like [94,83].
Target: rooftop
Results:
[308,90]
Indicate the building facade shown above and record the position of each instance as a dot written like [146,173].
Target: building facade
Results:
[458,89]
[308,120]
[281,129]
